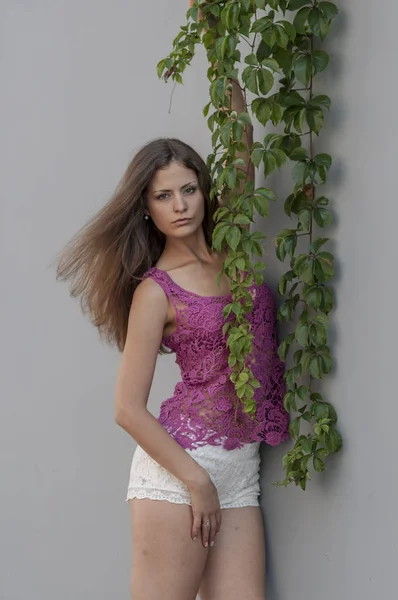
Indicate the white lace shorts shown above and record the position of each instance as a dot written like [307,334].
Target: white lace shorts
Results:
[235,473]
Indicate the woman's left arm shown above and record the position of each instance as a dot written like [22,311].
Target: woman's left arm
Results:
[238,103]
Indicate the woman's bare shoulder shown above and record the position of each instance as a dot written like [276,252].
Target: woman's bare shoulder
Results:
[148,289]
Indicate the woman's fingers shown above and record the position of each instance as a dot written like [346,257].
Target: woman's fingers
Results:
[213,530]
[218,521]
[206,525]
[209,530]
[196,526]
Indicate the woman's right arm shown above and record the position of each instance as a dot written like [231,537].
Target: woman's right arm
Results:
[147,318]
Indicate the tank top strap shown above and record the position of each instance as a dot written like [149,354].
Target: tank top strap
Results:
[163,279]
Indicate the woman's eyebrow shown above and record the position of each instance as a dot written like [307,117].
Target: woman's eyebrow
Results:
[185,185]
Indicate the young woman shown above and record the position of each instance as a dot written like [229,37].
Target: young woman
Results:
[146,273]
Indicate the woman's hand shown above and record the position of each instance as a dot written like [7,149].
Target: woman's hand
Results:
[206,511]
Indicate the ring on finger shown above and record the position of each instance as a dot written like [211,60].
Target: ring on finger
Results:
[207,523]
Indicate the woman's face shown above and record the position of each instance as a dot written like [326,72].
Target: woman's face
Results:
[174,194]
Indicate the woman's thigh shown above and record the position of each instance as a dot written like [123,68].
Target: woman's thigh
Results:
[235,568]
[167,563]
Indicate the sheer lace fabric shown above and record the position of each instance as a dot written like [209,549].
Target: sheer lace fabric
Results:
[202,409]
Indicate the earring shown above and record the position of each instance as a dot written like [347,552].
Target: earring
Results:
[146,217]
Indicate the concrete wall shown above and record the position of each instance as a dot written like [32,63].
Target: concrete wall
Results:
[80,94]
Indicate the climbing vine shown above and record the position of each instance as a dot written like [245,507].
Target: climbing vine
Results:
[281,40]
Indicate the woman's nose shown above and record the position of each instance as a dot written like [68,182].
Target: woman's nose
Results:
[179,203]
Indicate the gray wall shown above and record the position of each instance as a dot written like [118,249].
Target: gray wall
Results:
[80,94]
[339,538]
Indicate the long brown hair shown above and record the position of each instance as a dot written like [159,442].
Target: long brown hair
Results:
[107,257]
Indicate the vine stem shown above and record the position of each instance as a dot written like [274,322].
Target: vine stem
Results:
[311,133]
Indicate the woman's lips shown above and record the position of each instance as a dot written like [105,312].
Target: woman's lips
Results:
[182,222]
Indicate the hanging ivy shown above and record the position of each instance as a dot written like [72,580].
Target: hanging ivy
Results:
[283,55]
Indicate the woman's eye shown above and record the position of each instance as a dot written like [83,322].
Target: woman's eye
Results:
[190,190]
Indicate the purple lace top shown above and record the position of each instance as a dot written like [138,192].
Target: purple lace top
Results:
[202,408]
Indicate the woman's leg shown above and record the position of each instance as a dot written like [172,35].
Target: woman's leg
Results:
[167,563]
[235,569]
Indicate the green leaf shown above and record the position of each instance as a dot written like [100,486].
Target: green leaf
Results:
[269,163]
[206,109]
[160,68]
[287,401]
[300,173]
[230,177]
[314,18]
[294,99]
[313,296]
[271,139]
[284,59]
[299,120]
[233,236]
[322,216]
[289,29]
[318,463]
[262,109]
[327,301]
[306,444]
[242,220]
[302,334]
[296,4]
[321,100]
[317,244]
[287,277]
[280,157]
[261,206]
[320,60]
[265,81]
[266,193]
[304,218]
[300,19]
[257,156]
[303,69]
[286,242]
[232,16]
[318,24]
[315,119]
[325,160]
[225,133]
[270,63]
[269,36]
[237,131]
[303,267]
[281,37]
[299,153]
[288,204]
[294,427]
[251,59]
[220,88]
[324,266]
[302,392]
[250,79]
[333,440]
[328,9]
[263,51]
[319,330]
[276,113]
[219,234]
[261,25]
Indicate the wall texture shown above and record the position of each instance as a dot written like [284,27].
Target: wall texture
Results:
[79,95]
[339,538]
